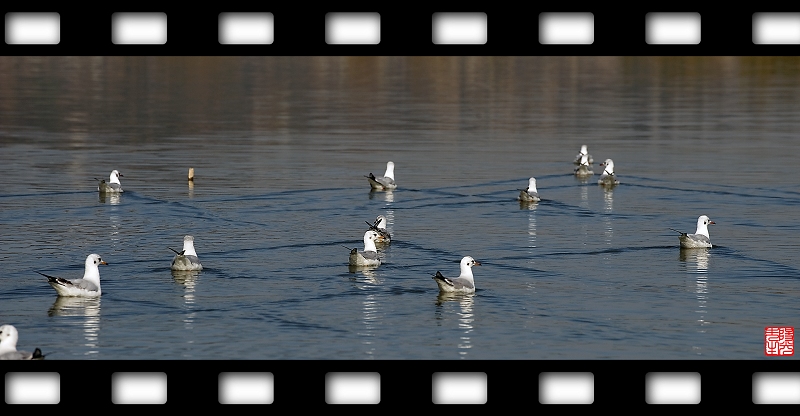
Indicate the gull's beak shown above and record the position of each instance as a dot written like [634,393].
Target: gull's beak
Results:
[103,262]
[711,222]
[477,263]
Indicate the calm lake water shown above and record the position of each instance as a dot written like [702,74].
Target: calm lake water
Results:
[280,147]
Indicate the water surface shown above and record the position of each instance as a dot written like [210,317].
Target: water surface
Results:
[280,147]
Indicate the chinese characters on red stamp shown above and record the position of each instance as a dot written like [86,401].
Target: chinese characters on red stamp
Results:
[779,340]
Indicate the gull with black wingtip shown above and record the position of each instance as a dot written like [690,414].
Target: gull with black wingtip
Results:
[607,178]
[584,168]
[186,259]
[112,186]
[700,238]
[530,194]
[379,226]
[88,286]
[584,152]
[368,257]
[464,283]
[385,182]
[8,346]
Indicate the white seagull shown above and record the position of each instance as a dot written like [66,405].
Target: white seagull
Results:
[112,186]
[463,283]
[584,151]
[584,168]
[8,346]
[379,226]
[368,257]
[530,194]
[383,182]
[186,259]
[607,178]
[89,286]
[700,238]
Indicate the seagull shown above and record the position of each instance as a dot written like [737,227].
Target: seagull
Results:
[530,194]
[186,259]
[383,182]
[700,238]
[112,186]
[8,346]
[461,284]
[379,226]
[607,178]
[584,151]
[584,168]
[368,257]
[89,286]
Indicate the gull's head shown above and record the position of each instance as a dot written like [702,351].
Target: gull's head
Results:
[532,185]
[702,225]
[114,177]
[8,336]
[609,167]
[469,262]
[370,236]
[389,170]
[704,221]
[188,239]
[584,150]
[380,221]
[94,260]
[369,240]
[466,267]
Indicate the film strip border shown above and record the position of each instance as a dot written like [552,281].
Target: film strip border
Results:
[536,385]
[413,384]
[406,31]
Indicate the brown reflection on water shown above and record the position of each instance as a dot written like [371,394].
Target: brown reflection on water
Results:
[166,96]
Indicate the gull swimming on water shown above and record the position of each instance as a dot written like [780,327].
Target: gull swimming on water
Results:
[379,226]
[584,169]
[88,286]
[700,238]
[368,257]
[529,194]
[8,346]
[383,182]
[584,151]
[112,186]
[463,283]
[607,178]
[186,259]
